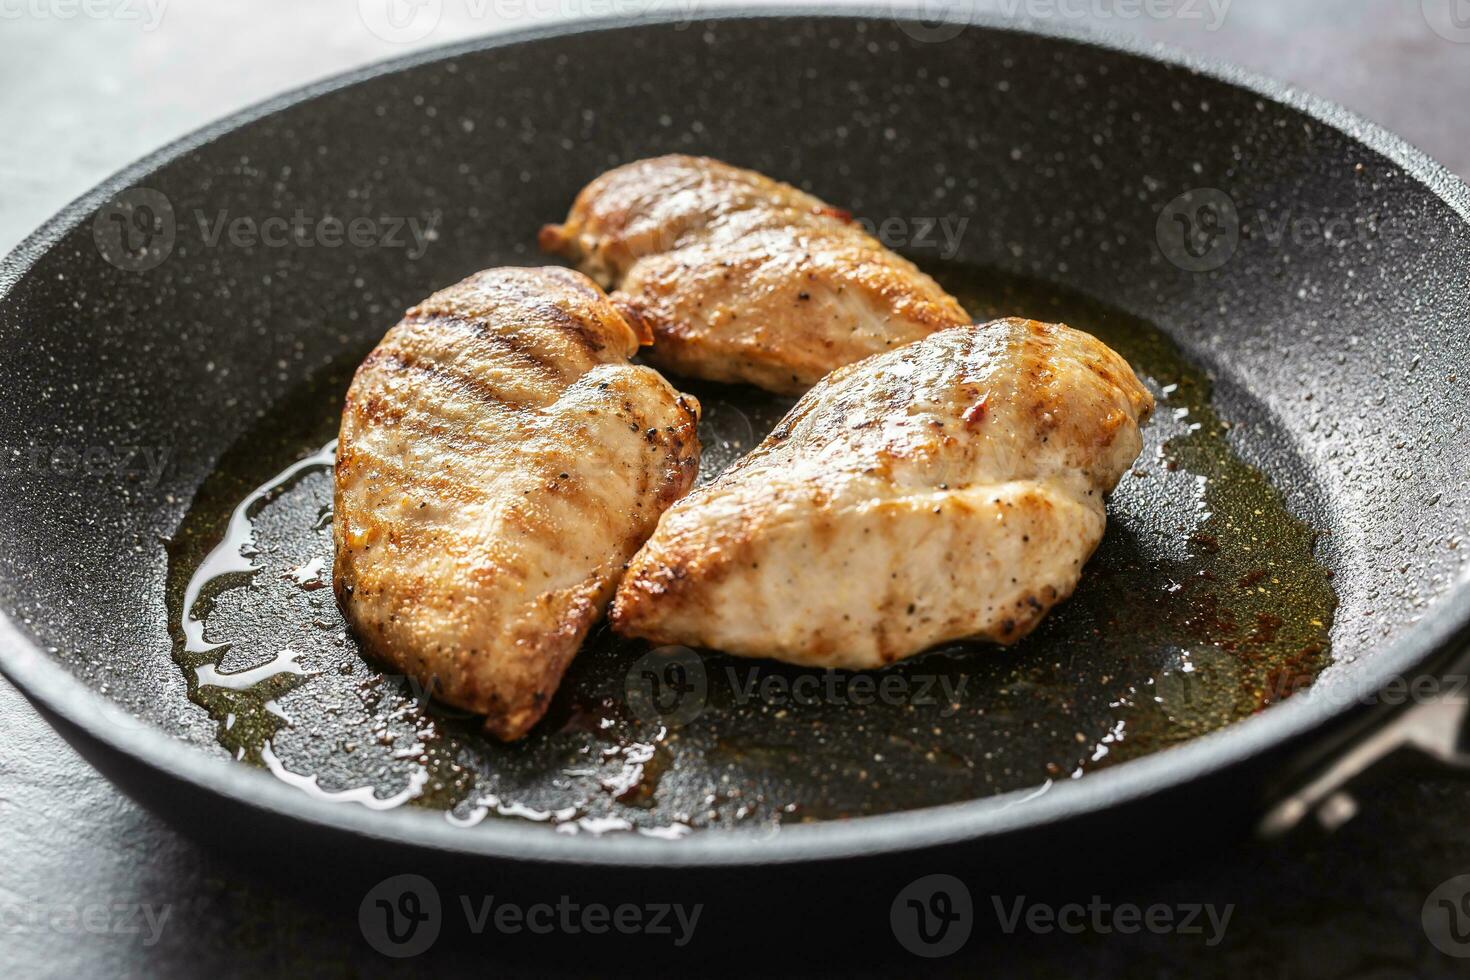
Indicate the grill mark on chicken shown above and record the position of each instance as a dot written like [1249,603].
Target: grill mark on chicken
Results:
[494,476]
[877,494]
[445,377]
[741,278]
[517,353]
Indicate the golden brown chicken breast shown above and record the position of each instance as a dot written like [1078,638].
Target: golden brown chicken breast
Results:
[950,489]
[743,278]
[499,462]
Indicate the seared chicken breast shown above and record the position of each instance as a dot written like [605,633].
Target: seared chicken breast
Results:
[499,462]
[950,489]
[743,278]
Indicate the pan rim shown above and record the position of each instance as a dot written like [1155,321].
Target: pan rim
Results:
[54,688]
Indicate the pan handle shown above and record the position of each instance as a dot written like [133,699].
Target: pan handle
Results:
[1424,731]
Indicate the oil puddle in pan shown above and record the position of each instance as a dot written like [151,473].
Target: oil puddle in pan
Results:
[1203,604]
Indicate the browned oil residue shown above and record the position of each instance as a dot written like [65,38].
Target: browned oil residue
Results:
[1204,603]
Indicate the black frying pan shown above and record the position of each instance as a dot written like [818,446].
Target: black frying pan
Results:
[1297,276]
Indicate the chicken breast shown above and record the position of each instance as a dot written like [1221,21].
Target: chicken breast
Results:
[743,278]
[949,489]
[499,462]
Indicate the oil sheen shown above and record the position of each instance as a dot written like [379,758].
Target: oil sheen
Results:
[1205,603]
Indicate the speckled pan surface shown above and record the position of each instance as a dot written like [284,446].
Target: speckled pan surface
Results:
[1335,327]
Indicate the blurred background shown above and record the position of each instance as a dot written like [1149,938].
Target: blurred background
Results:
[87,86]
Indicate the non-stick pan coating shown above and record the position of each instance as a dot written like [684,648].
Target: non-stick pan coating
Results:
[1339,356]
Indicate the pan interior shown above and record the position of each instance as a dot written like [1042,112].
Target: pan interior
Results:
[1203,605]
[140,405]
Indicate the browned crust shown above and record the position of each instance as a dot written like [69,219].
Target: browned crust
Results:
[556,326]
[694,251]
[849,478]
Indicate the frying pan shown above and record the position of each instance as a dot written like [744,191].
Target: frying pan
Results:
[1336,351]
